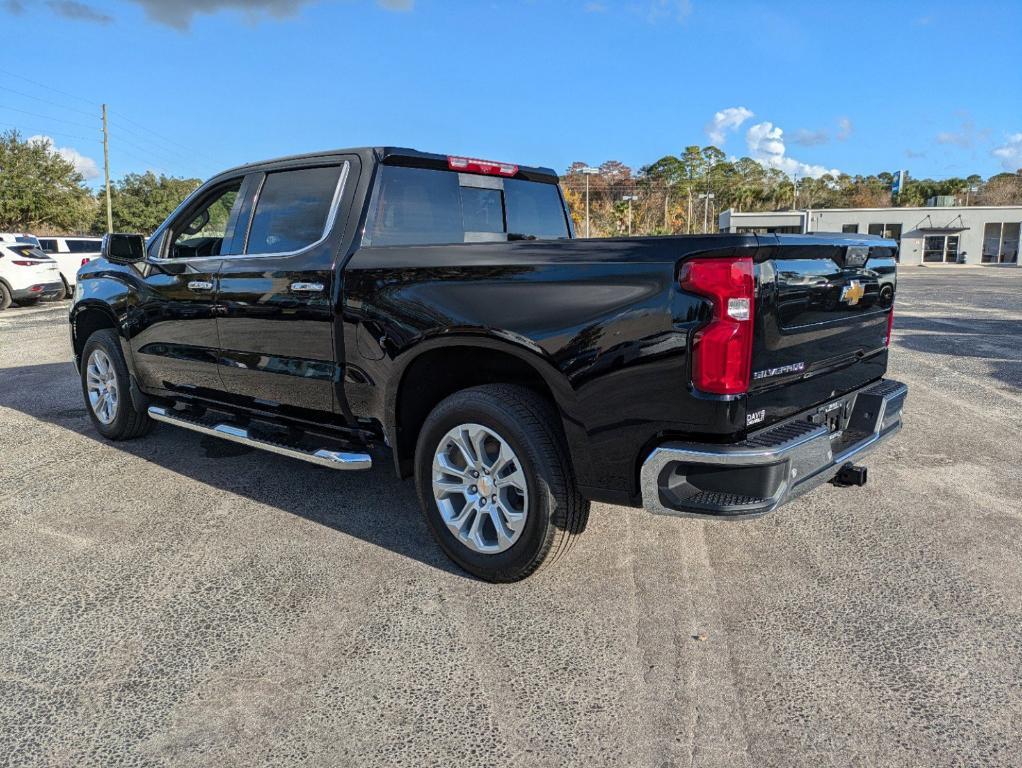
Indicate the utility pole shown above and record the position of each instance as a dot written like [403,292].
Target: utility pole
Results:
[667,197]
[794,193]
[629,198]
[689,207]
[106,171]
[588,171]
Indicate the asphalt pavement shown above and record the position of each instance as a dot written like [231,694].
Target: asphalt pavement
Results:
[182,601]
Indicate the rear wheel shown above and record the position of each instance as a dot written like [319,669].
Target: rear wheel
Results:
[106,386]
[64,292]
[5,296]
[495,482]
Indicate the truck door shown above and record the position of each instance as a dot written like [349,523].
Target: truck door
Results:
[174,341]
[276,295]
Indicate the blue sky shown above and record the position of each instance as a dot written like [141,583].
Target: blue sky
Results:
[195,86]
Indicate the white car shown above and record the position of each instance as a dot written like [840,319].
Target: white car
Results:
[71,253]
[19,237]
[27,275]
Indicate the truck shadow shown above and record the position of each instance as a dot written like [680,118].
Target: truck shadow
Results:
[371,505]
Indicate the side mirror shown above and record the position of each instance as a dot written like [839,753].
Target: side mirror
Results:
[123,249]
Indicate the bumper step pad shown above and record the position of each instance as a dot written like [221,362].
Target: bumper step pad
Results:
[768,468]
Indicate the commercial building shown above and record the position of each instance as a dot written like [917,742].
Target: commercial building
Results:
[975,234]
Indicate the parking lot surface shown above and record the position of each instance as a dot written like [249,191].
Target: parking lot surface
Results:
[183,601]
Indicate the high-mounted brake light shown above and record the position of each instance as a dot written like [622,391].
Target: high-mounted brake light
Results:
[487,167]
[722,349]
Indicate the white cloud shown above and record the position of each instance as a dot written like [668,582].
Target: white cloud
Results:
[844,128]
[677,9]
[84,165]
[766,144]
[729,119]
[1010,154]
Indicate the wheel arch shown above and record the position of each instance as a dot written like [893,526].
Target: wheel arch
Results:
[86,319]
[436,369]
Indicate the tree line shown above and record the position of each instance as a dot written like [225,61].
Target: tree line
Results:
[685,193]
[41,192]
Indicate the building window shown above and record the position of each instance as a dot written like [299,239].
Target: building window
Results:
[890,231]
[852,229]
[1000,243]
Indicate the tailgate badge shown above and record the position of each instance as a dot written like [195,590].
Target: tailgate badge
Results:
[755,418]
[852,292]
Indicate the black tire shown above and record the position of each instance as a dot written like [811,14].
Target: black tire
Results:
[128,422]
[65,291]
[5,296]
[556,511]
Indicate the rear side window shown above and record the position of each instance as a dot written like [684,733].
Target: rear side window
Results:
[83,246]
[292,209]
[420,206]
[50,246]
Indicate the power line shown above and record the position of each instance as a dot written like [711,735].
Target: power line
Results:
[47,117]
[47,87]
[158,135]
[59,133]
[47,101]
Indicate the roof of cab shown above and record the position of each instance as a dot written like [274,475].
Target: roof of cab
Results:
[391,156]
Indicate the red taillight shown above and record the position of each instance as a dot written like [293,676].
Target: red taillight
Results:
[85,261]
[36,289]
[890,327]
[25,263]
[722,350]
[474,165]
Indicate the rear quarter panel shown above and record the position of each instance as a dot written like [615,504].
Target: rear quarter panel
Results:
[600,320]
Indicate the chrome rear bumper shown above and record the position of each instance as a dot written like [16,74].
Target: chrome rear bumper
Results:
[770,467]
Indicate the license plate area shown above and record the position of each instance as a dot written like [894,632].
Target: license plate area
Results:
[833,415]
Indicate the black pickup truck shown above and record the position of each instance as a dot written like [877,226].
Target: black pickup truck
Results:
[326,305]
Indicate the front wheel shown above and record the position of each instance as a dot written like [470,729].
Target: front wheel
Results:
[496,483]
[5,296]
[106,385]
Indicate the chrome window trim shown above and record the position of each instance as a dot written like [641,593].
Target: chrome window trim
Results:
[331,219]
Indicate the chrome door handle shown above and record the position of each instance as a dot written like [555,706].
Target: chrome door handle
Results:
[200,285]
[307,287]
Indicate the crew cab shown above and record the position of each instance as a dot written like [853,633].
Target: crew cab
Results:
[341,306]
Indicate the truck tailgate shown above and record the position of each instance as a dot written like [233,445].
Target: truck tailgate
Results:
[822,313]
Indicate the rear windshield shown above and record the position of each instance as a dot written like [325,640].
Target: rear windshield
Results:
[420,206]
[28,252]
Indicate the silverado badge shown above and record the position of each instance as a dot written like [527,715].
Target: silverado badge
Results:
[852,292]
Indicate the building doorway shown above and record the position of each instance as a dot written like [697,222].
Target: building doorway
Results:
[940,249]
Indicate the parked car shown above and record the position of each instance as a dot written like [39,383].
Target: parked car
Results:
[328,306]
[19,237]
[70,253]
[27,275]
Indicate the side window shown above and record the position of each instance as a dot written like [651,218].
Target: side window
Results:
[202,233]
[83,246]
[50,246]
[292,209]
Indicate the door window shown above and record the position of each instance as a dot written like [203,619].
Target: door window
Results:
[292,209]
[201,233]
[933,248]
[50,246]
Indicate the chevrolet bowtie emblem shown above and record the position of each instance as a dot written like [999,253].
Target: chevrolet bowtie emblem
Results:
[852,293]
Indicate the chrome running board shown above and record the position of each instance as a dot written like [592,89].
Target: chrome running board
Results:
[322,457]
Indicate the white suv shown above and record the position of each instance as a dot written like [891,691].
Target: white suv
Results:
[27,275]
[70,253]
